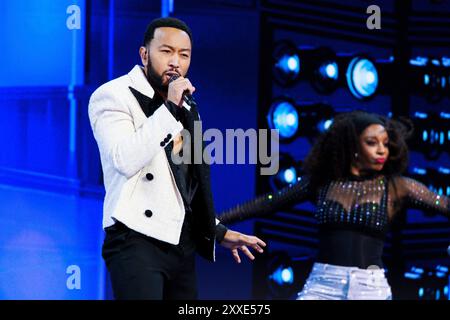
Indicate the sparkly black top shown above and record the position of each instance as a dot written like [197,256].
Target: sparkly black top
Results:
[353,214]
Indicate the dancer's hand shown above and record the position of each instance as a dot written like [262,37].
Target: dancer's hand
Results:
[238,241]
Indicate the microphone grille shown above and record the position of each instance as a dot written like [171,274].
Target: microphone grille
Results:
[173,78]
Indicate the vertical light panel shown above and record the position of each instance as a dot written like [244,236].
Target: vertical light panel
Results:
[166,8]
[37,44]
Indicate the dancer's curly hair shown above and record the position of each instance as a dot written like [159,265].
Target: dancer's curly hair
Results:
[332,154]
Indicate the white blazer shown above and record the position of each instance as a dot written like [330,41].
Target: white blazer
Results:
[132,146]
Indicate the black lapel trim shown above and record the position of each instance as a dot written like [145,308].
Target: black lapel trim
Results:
[146,103]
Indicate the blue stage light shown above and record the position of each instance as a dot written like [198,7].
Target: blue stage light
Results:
[442,268]
[420,171]
[284,117]
[362,78]
[324,125]
[417,270]
[289,64]
[283,275]
[421,292]
[420,115]
[289,175]
[329,70]
[287,275]
[323,62]
[409,275]
[444,115]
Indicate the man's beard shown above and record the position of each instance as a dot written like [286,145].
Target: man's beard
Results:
[155,79]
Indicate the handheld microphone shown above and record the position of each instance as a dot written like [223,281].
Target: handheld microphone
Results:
[187,97]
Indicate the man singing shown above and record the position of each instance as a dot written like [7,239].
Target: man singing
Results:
[157,213]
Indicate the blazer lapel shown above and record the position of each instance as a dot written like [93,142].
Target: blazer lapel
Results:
[147,104]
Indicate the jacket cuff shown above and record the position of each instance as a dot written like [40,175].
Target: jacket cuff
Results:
[220,232]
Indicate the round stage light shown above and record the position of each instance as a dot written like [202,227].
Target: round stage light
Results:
[283,275]
[362,78]
[284,116]
[329,70]
[324,125]
[289,172]
[280,275]
[325,70]
[289,175]
[287,63]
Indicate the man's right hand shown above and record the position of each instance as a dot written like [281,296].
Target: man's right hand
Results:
[177,89]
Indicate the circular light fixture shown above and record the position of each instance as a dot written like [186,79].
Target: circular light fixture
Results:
[286,63]
[362,78]
[325,70]
[284,116]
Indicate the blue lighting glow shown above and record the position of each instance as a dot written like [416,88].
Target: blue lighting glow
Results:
[419,171]
[324,125]
[52,51]
[419,61]
[421,115]
[289,64]
[442,268]
[287,275]
[290,175]
[444,115]
[444,171]
[284,117]
[328,124]
[409,275]
[329,70]
[421,291]
[283,275]
[166,8]
[417,270]
[362,78]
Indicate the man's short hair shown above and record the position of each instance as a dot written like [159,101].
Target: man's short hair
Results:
[165,22]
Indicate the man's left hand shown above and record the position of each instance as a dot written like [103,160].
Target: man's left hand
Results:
[238,241]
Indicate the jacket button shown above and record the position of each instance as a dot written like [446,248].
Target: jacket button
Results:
[169,136]
[148,213]
[166,140]
[162,144]
[149,176]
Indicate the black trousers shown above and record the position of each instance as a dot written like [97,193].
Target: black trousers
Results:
[142,267]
